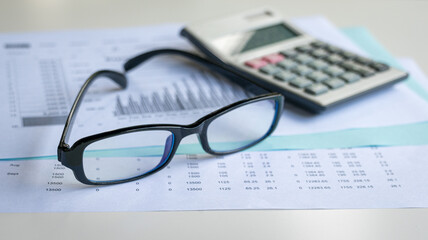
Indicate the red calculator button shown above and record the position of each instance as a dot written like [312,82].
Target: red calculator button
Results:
[273,58]
[256,63]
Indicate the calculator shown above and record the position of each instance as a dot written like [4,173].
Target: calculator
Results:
[272,53]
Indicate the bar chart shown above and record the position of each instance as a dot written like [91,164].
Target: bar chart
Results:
[194,92]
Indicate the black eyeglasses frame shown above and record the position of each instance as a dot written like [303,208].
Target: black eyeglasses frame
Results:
[72,156]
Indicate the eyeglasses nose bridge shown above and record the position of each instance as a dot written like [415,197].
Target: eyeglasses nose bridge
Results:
[192,129]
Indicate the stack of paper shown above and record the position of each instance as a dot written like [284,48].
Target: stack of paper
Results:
[370,149]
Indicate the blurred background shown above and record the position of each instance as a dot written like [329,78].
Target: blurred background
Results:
[398,24]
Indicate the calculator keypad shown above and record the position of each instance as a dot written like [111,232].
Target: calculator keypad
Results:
[317,68]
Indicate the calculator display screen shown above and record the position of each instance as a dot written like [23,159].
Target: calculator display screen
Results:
[244,41]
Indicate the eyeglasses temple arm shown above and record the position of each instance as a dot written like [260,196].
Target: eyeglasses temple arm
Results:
[117,77]
[224,70]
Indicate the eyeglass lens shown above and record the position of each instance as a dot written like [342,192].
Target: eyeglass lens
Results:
[126,156]
[241,126]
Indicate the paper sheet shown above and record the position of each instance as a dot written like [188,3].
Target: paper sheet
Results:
[42,72]
[390,177]
[413,68]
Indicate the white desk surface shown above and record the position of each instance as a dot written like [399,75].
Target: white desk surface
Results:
[398,24]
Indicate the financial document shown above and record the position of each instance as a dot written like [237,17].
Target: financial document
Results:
[413,68]
[42,72]
[167,91]
[387,177]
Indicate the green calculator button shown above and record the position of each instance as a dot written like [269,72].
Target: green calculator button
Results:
[289,53]
[318,76]
[379,66]
[348,65]
[320,53]
[335,59]
[270,69]
[350,77]
[334,83]
[285,76]
[300,82]
[316,89]
[363,71]
[348,55]
[302,70]
[287,64]
[363,60]
[319,44]
[304,58]
[334,71]
[319,64]
[304,48]
[333,49]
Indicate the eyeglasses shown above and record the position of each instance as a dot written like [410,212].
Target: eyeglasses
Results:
[131,153]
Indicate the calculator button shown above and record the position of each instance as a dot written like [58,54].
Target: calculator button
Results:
[304,58]
[348,55]
[361,70]
[319,44]
[300,82]
[348,65]
[334,83]
[302,70]
[363,60]
[365,72]
[350,77]
[316,89]
[273,58]
[256,63]
[333,49]
[270,69]
[287,64]
[285,76]
[334,71]
[318,64]
[334,59]
[318,76]
[304,48]
[320,53]
[289,53]
[380,67]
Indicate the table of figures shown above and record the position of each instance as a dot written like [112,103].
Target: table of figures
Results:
[369,177]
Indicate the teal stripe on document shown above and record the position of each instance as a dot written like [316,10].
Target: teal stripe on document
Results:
[362,37]
[409,134]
